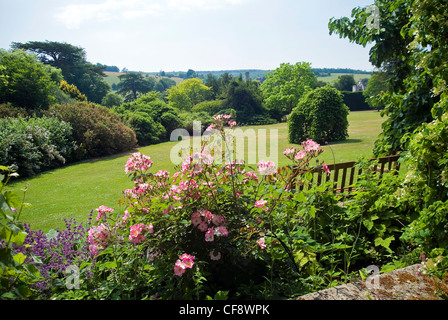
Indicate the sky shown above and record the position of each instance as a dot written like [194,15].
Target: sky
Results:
[177,35]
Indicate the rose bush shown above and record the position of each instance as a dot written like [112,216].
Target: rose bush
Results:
[208,227]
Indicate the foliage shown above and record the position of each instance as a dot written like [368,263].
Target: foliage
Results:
[345,82]
[355,101]
[17,274]
[210,106]
[33,145]
[151,118]
[220,227]
[187,120]
[132,85]
[28,83]
[53,254]
[8,110]
[72,91]
[96,130]
[406,37]
[426,180]
[188,93]
[112,99]
[284,87]
[321,115]
[245,98]
[71,60]
[376,85]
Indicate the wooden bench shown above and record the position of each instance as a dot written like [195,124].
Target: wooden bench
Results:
[345,174]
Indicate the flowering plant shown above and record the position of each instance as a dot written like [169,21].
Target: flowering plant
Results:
[208,226]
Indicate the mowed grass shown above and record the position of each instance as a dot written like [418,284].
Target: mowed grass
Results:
[75,190]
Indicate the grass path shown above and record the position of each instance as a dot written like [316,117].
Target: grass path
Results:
[73,191]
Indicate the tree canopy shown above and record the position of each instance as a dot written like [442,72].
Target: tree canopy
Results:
[71,60]
[410,46]
[26,82]
[188,93]
[284,87]
[132,85]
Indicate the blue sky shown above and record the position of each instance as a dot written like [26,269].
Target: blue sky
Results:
[177,35]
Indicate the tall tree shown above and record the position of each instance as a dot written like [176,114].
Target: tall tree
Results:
[376,86]
[284,87]
[345,82]
[188,93]
[25,81]
[409,33]
[132,85]
[87,77]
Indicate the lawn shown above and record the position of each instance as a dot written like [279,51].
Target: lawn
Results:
[73,191]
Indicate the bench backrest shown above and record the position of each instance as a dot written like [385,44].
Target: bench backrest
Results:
[345,174]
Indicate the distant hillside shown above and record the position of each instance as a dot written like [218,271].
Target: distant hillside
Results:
[323,74]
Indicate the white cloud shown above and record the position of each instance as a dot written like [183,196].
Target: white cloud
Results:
[74,15]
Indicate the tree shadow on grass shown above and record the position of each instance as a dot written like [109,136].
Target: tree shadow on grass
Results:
[344,141]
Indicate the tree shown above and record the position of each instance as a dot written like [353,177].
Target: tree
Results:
[376,85]
[72,91]
[411,48]
[132,85]
[151,118]
[321,115]
[190,74]
[188,93]
[284,87]
[245,98]
[345,82]
[112,99]
[26,82]
[76,70]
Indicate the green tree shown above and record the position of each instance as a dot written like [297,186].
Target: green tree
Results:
[284,87]
[112,99]
[245,98]
[151,118]
[345,82]
[376,85]
[188,93]
[26,82]
[76,70]
[410,47]
[321,115]
[132,85]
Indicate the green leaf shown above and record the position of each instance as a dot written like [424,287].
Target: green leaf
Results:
[368,224]
[18,238]
[12,199]
[19,258]
[384,242]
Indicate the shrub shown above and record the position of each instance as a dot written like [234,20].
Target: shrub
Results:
[72,91]
[97,130]
[212,107]
[206,229]
[27,83]
[7,110]
[355,101]
[150,118]
[321,115]
[35,144]
[146,129]
[426,184]
[17,274]
[187,119]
